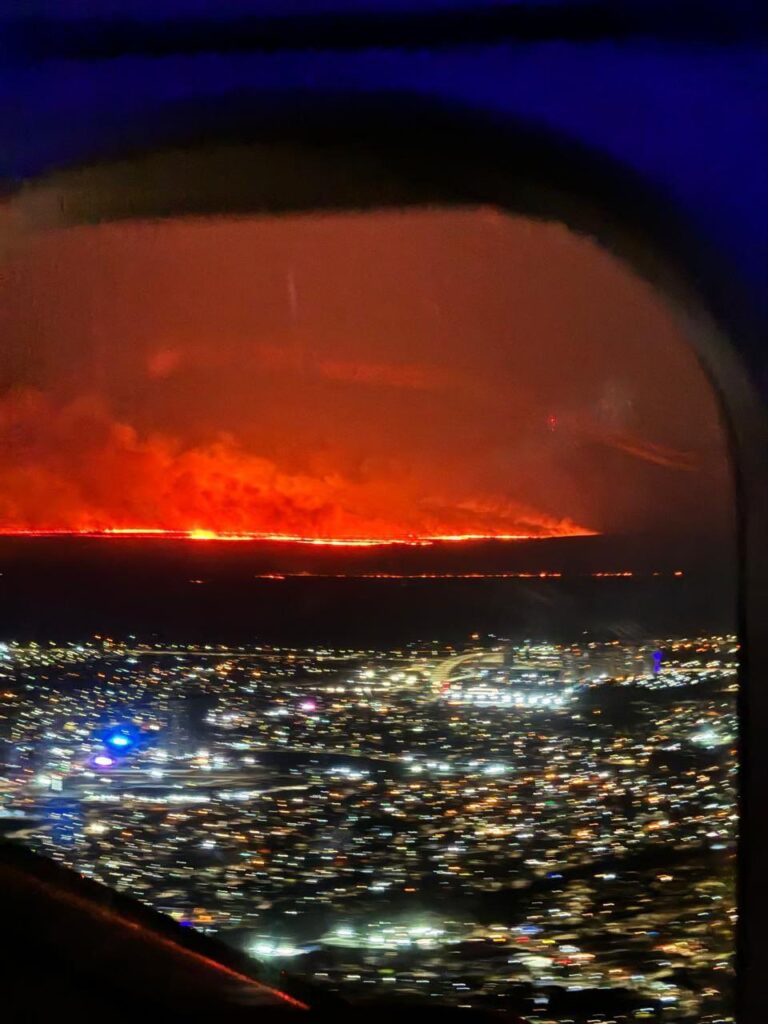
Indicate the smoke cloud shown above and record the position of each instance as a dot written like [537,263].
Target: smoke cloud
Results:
[441,373]
[75,467]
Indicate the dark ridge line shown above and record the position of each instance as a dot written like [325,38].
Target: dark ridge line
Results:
[589,20]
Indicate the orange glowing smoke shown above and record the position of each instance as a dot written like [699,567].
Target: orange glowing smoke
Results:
[74,468]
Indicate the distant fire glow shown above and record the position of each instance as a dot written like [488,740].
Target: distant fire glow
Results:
[432,378]
[75,470]
[287,538]
[430,576]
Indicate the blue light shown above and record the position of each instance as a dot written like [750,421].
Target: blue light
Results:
[120,739]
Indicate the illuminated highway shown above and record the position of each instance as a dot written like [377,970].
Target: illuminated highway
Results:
[444,672]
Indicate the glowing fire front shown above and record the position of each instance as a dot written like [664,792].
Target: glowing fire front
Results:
[288,538]
[72,468]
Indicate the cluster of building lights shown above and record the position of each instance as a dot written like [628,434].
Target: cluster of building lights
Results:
[572,828]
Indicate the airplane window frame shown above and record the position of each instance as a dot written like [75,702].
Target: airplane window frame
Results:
[362,156]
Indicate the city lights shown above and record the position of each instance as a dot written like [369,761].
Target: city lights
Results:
[435,819]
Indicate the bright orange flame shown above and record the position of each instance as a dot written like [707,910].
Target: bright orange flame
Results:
[74,470]
[200,534]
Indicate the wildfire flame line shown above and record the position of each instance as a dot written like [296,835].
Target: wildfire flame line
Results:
[548,575]
[285,538]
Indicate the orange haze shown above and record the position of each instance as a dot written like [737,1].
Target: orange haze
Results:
[73,468]
[398,377]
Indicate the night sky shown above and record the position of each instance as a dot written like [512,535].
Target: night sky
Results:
[377,376]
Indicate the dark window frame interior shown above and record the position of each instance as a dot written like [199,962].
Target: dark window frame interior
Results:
[339,155]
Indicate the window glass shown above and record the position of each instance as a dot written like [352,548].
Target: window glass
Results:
[367,600]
